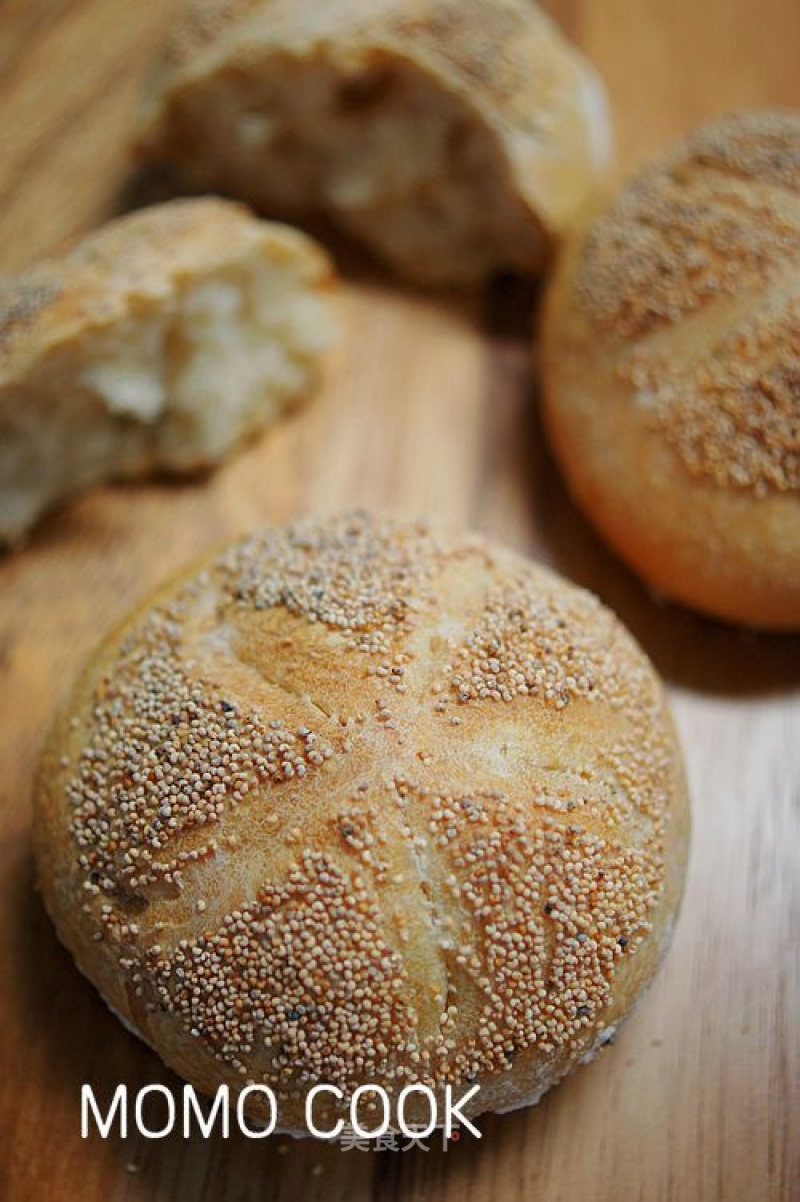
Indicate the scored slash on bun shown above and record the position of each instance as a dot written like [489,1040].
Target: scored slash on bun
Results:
[453,138]
[361,802]
[671,353]
[158,343]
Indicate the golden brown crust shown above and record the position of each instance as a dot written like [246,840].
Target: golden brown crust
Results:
[672,370]
[760,147]
[732,416]
[158,344]
[697,224]
[129,262]
[358,801]
[501,69]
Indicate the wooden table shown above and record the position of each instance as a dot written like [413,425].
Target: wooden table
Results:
[430,407]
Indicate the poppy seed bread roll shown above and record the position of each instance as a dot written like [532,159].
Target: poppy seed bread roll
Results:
[157,344]
[671,351]
[453,138]
[359,802]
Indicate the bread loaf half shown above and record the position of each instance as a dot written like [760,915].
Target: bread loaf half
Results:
[671,351]
[359,802]
[158,344]
[452,137]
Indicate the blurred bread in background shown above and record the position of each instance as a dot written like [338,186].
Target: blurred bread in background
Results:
[453,138]
[158,344]
[672,370]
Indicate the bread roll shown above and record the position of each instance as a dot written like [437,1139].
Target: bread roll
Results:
[361,802]
[157,344]
[671,351]
[451,137]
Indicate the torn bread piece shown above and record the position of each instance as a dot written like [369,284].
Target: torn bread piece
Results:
[453,138]
[158,344]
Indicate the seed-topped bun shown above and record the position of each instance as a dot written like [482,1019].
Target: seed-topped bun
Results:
[359,802]
[452,137]
[672,370]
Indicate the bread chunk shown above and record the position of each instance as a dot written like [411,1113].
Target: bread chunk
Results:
[158,344]
[453,138]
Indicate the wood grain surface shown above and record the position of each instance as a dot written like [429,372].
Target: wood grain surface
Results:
[430,407]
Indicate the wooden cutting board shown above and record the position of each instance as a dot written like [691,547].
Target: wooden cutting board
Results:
[430,406]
